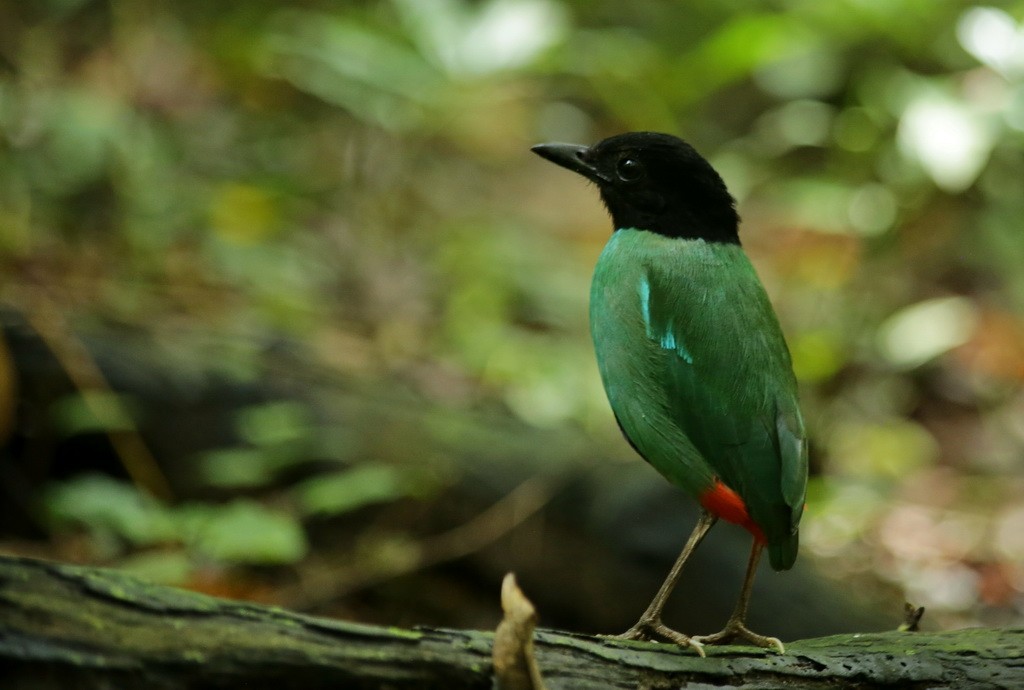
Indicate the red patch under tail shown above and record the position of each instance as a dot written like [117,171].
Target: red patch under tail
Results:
[727,504]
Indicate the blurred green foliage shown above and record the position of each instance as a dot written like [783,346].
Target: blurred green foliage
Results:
[118,515]
[354,177]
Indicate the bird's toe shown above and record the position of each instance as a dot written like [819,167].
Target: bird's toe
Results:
[649,630]
[738,631]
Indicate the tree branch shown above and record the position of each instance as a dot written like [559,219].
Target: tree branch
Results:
[67,626]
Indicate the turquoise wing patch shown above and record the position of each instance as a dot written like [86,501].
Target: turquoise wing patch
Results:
[663,333]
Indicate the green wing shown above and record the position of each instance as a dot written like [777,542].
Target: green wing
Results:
[714,375]
[731,387]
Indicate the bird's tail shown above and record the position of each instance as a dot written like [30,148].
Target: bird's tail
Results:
[782,552]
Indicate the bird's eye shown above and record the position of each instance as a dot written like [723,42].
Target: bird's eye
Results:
[629,169]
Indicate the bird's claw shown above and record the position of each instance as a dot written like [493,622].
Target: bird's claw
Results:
[648,630]
[736,629]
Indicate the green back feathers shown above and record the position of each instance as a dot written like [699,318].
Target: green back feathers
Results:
[698,374]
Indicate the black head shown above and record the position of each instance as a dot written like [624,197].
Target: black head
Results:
[655,182]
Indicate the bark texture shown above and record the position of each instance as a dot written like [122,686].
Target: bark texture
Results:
[64,626]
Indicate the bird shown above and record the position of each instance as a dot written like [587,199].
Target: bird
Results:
[692,357]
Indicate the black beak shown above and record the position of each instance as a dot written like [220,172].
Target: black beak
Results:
[571,156]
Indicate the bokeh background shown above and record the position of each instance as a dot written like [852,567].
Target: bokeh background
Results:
[290,313]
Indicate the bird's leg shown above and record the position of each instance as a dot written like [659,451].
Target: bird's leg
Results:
[735,626]
[650,624]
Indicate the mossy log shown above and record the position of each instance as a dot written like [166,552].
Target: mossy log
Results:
[65,626]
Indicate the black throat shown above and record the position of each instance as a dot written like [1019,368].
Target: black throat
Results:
[679,216]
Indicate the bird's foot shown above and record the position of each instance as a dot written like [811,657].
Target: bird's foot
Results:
[735,629]
[650,629]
